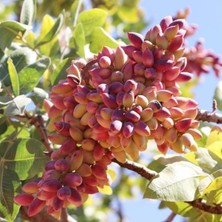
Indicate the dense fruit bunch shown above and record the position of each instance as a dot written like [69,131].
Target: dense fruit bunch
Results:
[109,108]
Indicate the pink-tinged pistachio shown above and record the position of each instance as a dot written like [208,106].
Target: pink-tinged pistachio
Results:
[148,58]
[76,159]
[23,199]
[119,98]
[58,102]
[158,133]
[75,198]
[116,126]
[115,87]
[152,123]
[30,187]
[72,80]
[120,156]
[186,103]
[195,124]
[147,45]
[140,141]
[91,107]
[168,123]
[106,51]
[195,133]
[64,192]
[106,113]
[176,113]
[129,49]
[128,99]
[183,125]
[72,180]
[188,141]
[139,69]
[128,129]
[81,97]
[57,138]
[162,114]
[114,141]
[68,147]
[171,32]
[162,65]
[90,180]
[181,63]
[172,102]
[62,128]
[50,185]
[178,146]
[165,22]
[142,101]
[155,105]
[105,73]
[61,88]
[142,128]
[98,152]
[191,113]
[84,170]
[132,115]
[184,77]
[35,207]
[127,71]
[116,76]
[109,100]
[179,53]
[150,73]
[62,165]
[135,39]
[146,114]
[69,102]
[153,34]
[85,119]
[170,135]
[137,56]
[47,104]
[76,134]
[103,122]
[125,141]
[120,58]
[179,22]
[50,165]
[118,114]
[158,84]
[99,172]
[161,41]
[130,85]
[163,148]
[172,74]
[94,97]
[137,108]
[102,88]
[176,91]
[164,95]
[132,151]
[73,69]
[104,62]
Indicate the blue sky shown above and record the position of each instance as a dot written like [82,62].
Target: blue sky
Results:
[208,16]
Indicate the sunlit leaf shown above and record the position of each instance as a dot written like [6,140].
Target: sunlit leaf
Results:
[79,39]
[13,76]
[106,190]
[215,185]
[176,182]
[128,14]
[17,106]
[27,12]
[101,38]
[92,18]
[214,136]
[30,75]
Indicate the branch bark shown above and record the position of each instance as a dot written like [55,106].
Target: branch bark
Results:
[207,116]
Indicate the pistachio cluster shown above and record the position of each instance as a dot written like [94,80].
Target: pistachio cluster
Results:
[109,108]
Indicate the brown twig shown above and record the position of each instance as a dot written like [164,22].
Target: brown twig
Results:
[171,217]
[207,116]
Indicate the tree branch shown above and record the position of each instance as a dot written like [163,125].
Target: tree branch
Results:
[207,116]
[150,174]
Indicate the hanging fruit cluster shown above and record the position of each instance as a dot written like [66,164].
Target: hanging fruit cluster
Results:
[109,107]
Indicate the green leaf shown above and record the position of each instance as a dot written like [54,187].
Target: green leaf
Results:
[60,71]
[13,76]
[49,35]
[215,185]
[92,18]
[176,182]
[27,12]
[218,95]
[8,31]
[30,75]
[79,39]
[214,136]
[128,14]
[17,106]
[101,38]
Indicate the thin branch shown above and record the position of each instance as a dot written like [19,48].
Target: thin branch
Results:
[150,174]
[171,217]
[207,116]
[138,168]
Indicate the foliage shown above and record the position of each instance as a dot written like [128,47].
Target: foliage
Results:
[47,40]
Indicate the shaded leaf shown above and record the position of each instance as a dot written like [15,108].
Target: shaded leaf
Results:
[13,77]
[92,18]
[30,75]
[101,38]
[79,39]
[176,182]
[48,36]
[9,30]
[17,106]
[27,12]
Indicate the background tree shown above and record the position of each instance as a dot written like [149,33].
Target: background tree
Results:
[75,114]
